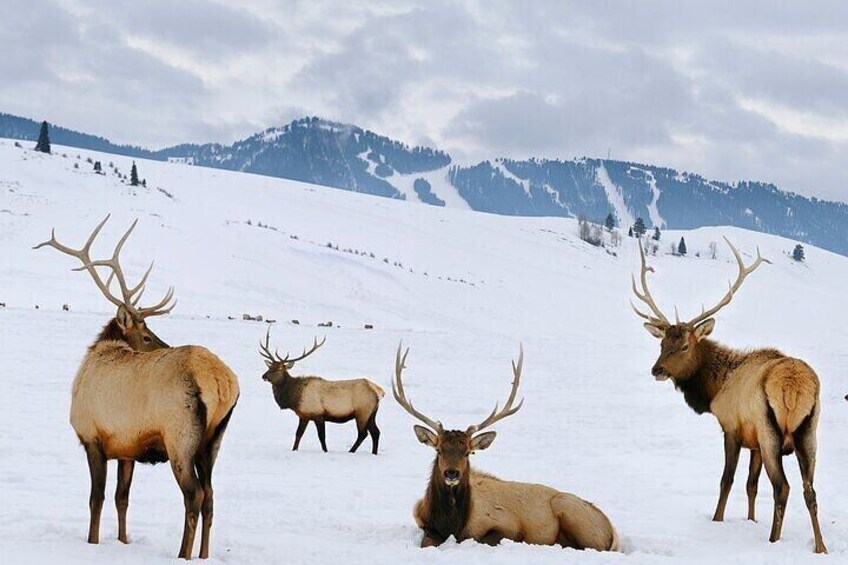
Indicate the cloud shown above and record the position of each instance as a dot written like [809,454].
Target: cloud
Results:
[728,89]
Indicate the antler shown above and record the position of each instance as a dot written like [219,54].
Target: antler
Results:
[400,394]
[265,351]
[507,410]
[315,346]
[130,296]
[659,318]
[743,272]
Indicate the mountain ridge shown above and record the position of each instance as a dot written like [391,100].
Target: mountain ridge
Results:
[348,157]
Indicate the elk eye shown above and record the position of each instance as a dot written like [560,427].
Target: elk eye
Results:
[147,339]
[685,347]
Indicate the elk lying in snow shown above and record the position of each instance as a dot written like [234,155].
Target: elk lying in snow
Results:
[137,399]
[318,400]
[764,400]
[466,503]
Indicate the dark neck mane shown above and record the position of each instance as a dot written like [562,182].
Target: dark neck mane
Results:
[288,392]
[110,332]
[714,364]
[448,508]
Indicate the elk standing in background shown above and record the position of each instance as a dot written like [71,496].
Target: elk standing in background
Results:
[764,400]
[466,503]
[137,399]
[318,400]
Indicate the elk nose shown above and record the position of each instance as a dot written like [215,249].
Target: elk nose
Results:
[657,370]
[452,475]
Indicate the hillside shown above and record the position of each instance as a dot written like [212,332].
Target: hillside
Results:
[345,156]
[462,289]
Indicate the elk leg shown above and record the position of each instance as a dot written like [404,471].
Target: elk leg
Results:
[754,468]
[361,434]
[319,425]
[122,496]
[205,465]
[192,497]
[770,451]
[731,459]
[375,432]
[805,449]
[301,427]
[97,470]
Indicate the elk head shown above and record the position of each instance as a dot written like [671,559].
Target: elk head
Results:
[679,349]
[453,447]
[129,323]
[279,367]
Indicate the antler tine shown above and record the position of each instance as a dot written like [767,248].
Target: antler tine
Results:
[507,410]
[264,348]
[733,287]
[645,296]
[159,308]
[84,257]
[400,394]
[305,354]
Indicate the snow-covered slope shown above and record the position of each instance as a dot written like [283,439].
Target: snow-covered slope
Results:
[462,289]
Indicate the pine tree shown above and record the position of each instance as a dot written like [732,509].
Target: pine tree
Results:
[798,253]
[639,228]
[657,234]
[610,221]
[98,168]
[43,143]
[681,247]
[630,232]
[133,175]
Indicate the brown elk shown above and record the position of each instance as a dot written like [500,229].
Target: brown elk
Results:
[764,400]
[468,504]
[318,400]
[135,398]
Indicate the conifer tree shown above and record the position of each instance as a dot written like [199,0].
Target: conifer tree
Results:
[639,228]
[43,143]
[657,234]
[798,253]
[133,175]
[681,247]
[610,221]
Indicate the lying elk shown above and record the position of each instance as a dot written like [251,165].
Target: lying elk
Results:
[137,399]
[466,503]
[764,400]
[318,400]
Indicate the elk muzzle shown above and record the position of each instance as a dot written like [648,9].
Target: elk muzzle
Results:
[452,477]
[659,372]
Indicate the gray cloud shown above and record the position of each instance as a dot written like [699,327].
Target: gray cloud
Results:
[727,89]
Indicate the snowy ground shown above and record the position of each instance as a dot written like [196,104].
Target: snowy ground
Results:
[471,286]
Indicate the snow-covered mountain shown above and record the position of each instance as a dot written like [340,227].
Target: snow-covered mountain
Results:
[462,289]
[347,157]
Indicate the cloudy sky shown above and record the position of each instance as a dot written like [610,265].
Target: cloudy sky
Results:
[729,89]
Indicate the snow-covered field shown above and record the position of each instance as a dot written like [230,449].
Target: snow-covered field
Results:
[471,286]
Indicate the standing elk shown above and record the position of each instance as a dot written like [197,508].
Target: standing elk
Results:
[468,504]
[135,398]
[318,400]
[764,400]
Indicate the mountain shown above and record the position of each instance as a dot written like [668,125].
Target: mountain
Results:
[344,156]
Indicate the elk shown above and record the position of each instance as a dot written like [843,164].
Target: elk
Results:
[468,504]
[765,401]
[318,400]
[136,399]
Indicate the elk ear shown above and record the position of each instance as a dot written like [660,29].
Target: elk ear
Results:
[425,436]
[704,329]
[268,364]
[655,331]
[124,319]
[482,441]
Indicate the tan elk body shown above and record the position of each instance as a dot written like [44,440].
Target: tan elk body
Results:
[136,399]
[318,400]
[764,400]
[468,504]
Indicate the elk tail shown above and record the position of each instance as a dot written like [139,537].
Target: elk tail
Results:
[377,389]
[791,399]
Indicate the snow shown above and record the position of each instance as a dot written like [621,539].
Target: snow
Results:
[594,422]
[439,185]
[653,211]
[614,196]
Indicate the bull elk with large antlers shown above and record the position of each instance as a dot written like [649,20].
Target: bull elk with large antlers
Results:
[318,400]
[465,503]
[764,400]
[135,398]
